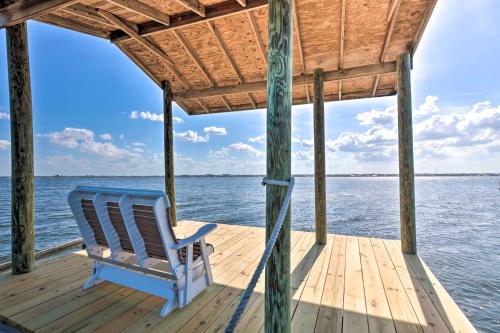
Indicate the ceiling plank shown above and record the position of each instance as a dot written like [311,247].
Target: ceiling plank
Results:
[144,10]
[220,10]
[195,6]
[22,10]
[342,43]
[342,74]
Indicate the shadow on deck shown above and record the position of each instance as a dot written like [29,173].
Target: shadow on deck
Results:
[352,284]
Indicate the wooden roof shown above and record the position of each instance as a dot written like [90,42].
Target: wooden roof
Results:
[214,51]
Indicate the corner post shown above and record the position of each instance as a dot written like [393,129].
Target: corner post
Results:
[406,170]
[169,150]
[279,111]
[319,156]
[21,123]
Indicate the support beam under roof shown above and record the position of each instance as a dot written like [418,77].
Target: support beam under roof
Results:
[343,74]
[258,38]
[216,11]
[22,10]
[144,10]
[194,6]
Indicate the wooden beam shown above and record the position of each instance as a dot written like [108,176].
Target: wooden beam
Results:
[319,157]
[139,63]
[232,64]
[144,10]
[343,74]
[216,11]
[406,169]
[194,57]
[342,43]
[71,24]
[392,9]
[87,12]
[22,10]
[168,131]
[390,29]
[258,38]
[375,85]
[21,123]
[195,6]
[242,2]
[421,28]
[299,46]
[279,144]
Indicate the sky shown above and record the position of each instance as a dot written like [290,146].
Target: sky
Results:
[96,113]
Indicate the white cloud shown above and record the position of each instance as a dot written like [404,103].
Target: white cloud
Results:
[106,136]
[236,147]
[377,117]
[428,107]
[84,140]
[122,136]
[191,136]
[4,144]
[303,155]
[146,115]
[138,144]
[258,139]
[215,130]
[4,115]
[177,120]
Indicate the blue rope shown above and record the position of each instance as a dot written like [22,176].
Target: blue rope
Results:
[265,256]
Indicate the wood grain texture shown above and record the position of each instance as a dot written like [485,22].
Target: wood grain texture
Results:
[279,157]
[319,157]
[20,11]
[406,170]
[329,285]
[168,130]
[21,123]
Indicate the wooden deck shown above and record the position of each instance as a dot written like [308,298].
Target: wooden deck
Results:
[353,284]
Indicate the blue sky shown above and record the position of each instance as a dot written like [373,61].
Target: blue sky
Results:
[95,112]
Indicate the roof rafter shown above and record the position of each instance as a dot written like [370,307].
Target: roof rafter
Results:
[144,10]
[195,6]
[212,12]
[390,28]
[342,43]
[232,64]
[87,12]
[22,10]
[194,57]
[299,46]
[342,74]
[71,24]
[242,2]
[256,32]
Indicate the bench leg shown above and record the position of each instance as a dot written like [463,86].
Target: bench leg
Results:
[94,279]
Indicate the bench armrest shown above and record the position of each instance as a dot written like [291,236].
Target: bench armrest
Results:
[202,232]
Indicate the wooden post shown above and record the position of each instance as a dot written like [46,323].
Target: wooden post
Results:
[319,156]
[21,123]
[406,173]
[279,107]
[169,150]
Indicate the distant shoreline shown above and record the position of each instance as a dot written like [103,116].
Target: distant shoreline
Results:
[360,175]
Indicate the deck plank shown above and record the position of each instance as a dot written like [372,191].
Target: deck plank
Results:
[402,311]
[427,315]
[332,302]
[353,284]
[377,305]
[355,317]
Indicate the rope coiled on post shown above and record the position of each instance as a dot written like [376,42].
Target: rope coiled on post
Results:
[267,252]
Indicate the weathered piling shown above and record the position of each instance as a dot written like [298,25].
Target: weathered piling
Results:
[406,170]
[319,157]
[21,122]
[279,107]
[168,128]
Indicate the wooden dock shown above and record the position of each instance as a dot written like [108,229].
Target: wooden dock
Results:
[352,284]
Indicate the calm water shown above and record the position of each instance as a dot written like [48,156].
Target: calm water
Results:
[458,221]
